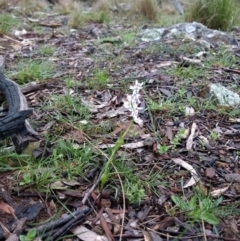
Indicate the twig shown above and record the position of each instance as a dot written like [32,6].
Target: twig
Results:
[53,224]
[86,196]
[60,232]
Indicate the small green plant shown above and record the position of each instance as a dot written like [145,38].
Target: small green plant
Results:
[70,83]
[213,135]
[46,50]
[215,14]
[176,140]
[134,192]
[128,37]
[7,22]
[199,207]
[26,179]
[29,236]
[34,70]
[118,144]
[71,105]
[78,18]
[101,77]
[189,73]
[162,149]
[182,92]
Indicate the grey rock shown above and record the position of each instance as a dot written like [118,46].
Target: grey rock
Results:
[232,177]
[193,31]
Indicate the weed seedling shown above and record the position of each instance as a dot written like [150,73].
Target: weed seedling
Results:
[29,236]
[134,192]
[34,70]
[213,135]
[27,179]
[199,207]
[176,140]
[46,50]
[162,149]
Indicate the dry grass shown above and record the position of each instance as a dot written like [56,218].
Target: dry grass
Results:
[30,7]
[215,14]
[4,4]
[168,9]
[147,8]
[79,18]
[103,5]
[68,6]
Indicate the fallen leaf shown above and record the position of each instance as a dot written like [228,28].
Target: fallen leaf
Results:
[6,208]
[169,133]
[218,192]
[87,235]
[194,179]
[147,236]
[210,172]
[106,228]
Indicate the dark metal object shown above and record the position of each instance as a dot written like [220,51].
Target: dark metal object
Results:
[15,123]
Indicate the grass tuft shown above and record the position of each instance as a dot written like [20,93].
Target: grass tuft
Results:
[34,70]
[147,8]
[67,6]
[78,18]
[215,14]
[30,7]
[7,22]
[103,5]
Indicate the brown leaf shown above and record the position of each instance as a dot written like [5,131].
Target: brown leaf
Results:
[210,172]
[169,133]
[218,192]
[87,235]
[75,135]
[6,208]
[147,236]
[106,228]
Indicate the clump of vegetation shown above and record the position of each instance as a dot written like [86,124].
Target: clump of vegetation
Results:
[147,8]
[103,5]
[29,7]
[34,70]
[67,6]
[78,18]
[46,50]
[6,23]
[199,207]
[215,14]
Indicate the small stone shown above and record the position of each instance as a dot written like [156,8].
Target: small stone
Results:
[233,177]
[210,172]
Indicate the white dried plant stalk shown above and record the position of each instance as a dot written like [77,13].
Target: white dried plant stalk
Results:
[133,101]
